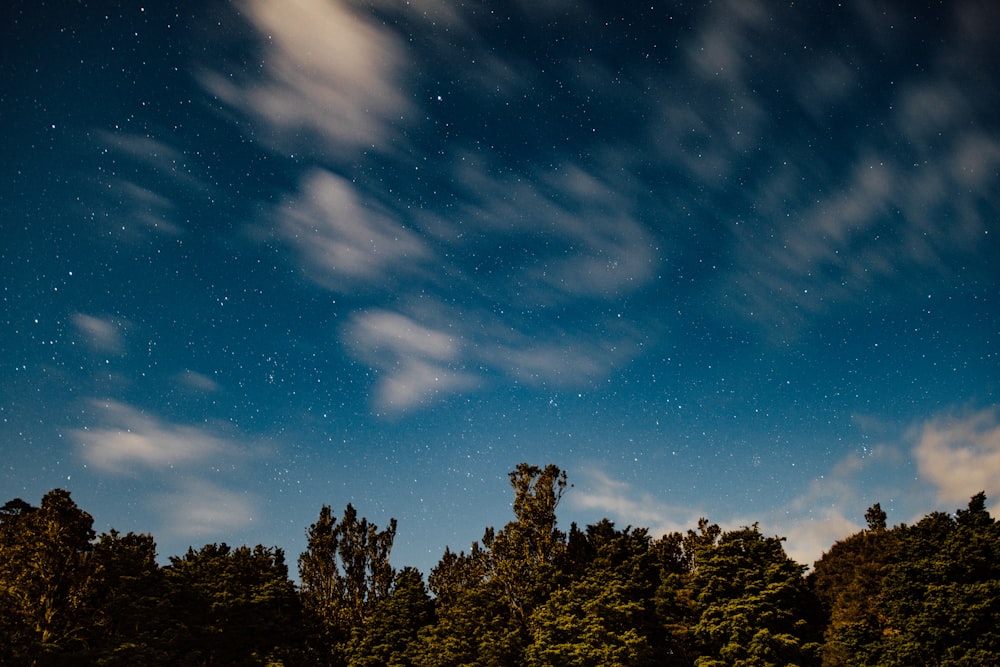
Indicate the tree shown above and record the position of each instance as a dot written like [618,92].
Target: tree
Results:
[16,633]
[605,616]
[129,601]
[46,576]
[875,517]
[231,606]
[386,637]
[848,580]
[753,603]
[524,555]
[674,599]
[941,596]
[486,597]
[344,572]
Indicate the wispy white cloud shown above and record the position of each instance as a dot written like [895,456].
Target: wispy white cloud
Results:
[936,465]
[184,469]
[585,240]
[585,248]
[129,440]
[101,333]
[342,240]
[722,47]
[960,454]
[197,381]
[202,508]
[331,77]
[417,362]
[620,502]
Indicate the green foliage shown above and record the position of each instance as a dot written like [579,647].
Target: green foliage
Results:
[345,572]
[523,555]
[130,602]
[941,597]
[385,638]
[753,603]
[48,578]
[231,606]
[527,595]
[922,595]
[604,616]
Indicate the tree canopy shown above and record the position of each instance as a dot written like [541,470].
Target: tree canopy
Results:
[529,593]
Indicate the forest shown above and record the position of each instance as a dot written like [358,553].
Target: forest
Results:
[527,594]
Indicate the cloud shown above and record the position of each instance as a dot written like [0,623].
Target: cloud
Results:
[621,503]
[132,441]
[330,75]
[343,241]
[197,381]
[417,362]
[722,47]
[429,351]
[807,539]
[102,334]
[199,508]
[564,239]
[954,456]
[960,454]
[185,470]
[578,223]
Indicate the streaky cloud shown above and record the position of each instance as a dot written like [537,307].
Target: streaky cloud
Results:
[130,441]
[101,333]
[417,361]
[342,239]
[201,508]
[600,492]
[960,454]
[331,78]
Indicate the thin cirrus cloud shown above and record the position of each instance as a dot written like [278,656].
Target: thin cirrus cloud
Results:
[601,493]
[341,240]
[945,459]
[330,76]
[912,198]
[199,508]
[347,245]
[100,333]
[131,440]
[186,464]
[418,362]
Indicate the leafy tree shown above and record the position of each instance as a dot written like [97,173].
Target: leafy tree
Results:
[344,573]
[605,616]
[391,628]
[474,629]
[232,606]
[674,599]
[486,597]
[753,603]
[16,632]
[472,624]
[129,601]
[876,516]
[847,580]
[456,573]
[941,597]
[524,555]
[45,577]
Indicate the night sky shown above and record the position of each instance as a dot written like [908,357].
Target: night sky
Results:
[727,259]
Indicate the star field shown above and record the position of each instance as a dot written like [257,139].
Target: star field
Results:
[734,260]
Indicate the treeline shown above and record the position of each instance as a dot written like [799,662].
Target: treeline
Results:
[526,594]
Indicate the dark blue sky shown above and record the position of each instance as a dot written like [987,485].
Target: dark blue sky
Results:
[731,259]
